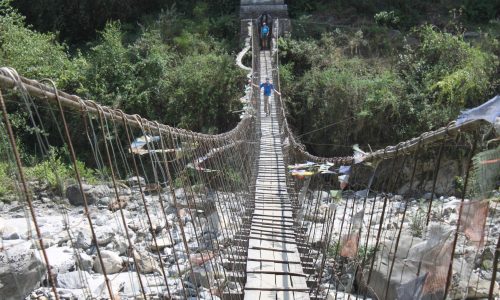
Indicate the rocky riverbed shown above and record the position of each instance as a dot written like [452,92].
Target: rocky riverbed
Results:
[472,263]
[208,220]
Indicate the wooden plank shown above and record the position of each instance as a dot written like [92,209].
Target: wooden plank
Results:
[252,295]
[277,220]
[267,280]
[272,238]
[277,232]
[253,243]
[301,296]
[298,281]
[285,295]
[295,268]
[273,229]
[263,224]
[274,261]
[273,249]
[266,220]
[274,225]
[253,266]
[268,295]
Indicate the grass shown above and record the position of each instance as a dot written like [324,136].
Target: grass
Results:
[417,221]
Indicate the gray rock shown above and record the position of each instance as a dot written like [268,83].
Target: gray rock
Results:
[471,35]
[92,193]
[320,195]
[85,262]
[112,262]
[397,198]
[362,193]
[61,259]
[73,280]
[162,242]
[181,197]
[427,196]
[21,271]
[104,236]
[83,239]
[202,277]
[146,263]
[134,180]
[119,245]
[11,236]
[75,197]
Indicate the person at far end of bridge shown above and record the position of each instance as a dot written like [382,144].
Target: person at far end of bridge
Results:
[268,89]
[264,32]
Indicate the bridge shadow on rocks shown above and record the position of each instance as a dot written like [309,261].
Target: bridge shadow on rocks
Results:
[173,214]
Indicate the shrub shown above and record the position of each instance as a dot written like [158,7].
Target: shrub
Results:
[34,54]
[7,183]
[56,173]
[417,221]
[387,18]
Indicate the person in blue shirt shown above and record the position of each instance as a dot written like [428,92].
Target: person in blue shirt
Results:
[268,89]
[264,32]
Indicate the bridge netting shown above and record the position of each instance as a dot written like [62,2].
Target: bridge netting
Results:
[163,217]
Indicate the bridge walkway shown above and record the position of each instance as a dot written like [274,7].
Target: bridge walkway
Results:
[274,269]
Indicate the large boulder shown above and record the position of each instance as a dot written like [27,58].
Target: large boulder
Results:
[73,280]
[146,263]
[61,259]
[203,276]
[21,271]
[112,262]
[161,243]
[92,193]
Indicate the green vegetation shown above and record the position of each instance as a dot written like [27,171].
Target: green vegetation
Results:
[176,69]
[166,61]
[381,79]
[7,183]
[372,72]
[334,250]
[56,173]
[409,13]
[52,173]
[418,220]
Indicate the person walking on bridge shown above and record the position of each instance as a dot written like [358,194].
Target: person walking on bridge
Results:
[264,32]
[268,89]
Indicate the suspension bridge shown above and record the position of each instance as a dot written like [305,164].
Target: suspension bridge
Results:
[247,214]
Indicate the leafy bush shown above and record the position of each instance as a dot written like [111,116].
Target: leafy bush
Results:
[56,173]
[35,54]
[387,18]
[7,184]
[334,249]
[380,100]
[417,221]
[444,74]
[109,73]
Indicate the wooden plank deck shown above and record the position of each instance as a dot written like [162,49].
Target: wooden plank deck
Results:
[274,269]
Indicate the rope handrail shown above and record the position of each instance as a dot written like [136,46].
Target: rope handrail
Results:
[37,89]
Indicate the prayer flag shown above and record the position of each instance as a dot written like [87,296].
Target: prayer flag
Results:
[473,221]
